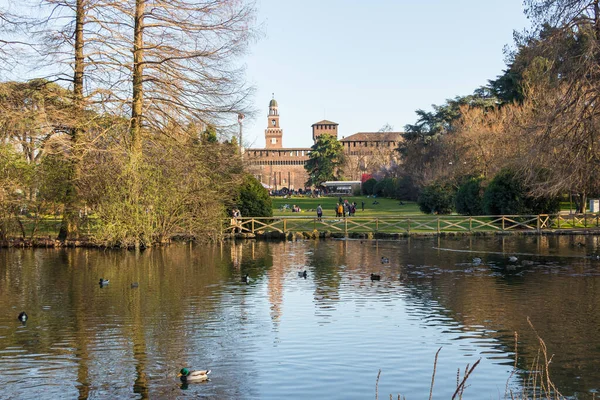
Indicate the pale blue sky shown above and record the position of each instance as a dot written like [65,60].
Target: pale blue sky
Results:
[365,63]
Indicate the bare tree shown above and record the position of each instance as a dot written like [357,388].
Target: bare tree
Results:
[564,102]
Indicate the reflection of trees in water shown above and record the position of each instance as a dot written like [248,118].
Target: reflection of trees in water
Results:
[558,293]
[325,262]
[106,331]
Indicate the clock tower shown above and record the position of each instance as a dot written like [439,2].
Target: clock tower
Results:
[273,133]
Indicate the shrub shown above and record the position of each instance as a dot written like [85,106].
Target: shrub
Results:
[406,188]
[436,199]
[369,186]
[507,194]
[385,188]
[469,197]
[254,199]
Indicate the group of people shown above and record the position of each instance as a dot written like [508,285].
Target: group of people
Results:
[295,208]
[345,208]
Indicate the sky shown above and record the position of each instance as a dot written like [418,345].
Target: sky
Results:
[364,64]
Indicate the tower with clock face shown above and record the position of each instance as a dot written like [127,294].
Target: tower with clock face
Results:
[273,133]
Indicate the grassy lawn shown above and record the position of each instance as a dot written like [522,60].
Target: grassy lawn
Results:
[385,208]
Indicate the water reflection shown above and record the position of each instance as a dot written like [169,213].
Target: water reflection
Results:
[336,328]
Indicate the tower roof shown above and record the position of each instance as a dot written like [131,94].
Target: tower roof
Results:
[273,103]
[325,122]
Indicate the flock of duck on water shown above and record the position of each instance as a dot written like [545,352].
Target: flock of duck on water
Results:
[187,375]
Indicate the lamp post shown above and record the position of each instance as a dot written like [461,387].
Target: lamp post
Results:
[240,121]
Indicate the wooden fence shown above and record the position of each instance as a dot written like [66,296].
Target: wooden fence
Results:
[414,224]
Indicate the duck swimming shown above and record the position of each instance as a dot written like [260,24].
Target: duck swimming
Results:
[103,282]
[385,260]
[193,376]
[375,277]
[23,316]
[245,279]
[302,274]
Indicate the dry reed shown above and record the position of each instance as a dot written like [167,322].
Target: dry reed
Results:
[536,386]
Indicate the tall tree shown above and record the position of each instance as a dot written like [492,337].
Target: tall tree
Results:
[564,97]
[325,160]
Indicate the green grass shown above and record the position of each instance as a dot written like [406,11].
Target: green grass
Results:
[385,208]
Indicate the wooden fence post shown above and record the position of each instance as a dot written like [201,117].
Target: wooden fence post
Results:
[345,227]
[539,225]
[438,225]
[252,225]
[408,225]
[284,225]
[376,225]
[503,223]
[470,224]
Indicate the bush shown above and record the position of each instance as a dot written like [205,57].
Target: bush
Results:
[469,198]
[369,186]
[436,199]
[507,194]
[254,199]
[406,188]
[385,188]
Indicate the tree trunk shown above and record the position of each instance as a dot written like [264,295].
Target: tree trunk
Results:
[70,219]
[597,20]
[138,72]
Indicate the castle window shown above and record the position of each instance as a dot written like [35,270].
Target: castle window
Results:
[273,140]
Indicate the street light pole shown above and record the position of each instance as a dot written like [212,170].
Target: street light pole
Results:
[240,121]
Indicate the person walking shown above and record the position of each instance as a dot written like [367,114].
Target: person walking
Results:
[319,212]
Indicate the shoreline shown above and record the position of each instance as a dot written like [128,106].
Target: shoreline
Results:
[293,236]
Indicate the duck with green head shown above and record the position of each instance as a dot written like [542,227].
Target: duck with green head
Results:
[187,375]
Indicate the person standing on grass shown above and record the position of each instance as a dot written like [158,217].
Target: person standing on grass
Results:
[319,212]
[363,205]
[340,210]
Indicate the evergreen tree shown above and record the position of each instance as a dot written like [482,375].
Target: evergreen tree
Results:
[325,159]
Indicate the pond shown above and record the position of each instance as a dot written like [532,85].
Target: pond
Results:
[282,335]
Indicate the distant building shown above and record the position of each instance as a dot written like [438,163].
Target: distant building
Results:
[278,167]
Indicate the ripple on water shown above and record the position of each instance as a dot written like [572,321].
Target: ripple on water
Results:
[282,336]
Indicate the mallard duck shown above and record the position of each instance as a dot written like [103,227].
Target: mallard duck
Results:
[193,376]
[245,279]
[375,277]
[23,316]
[302,274]
[385,260]
[103,282]
[512,259]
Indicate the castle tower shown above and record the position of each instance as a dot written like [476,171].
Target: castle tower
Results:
[273,133]
[324,128]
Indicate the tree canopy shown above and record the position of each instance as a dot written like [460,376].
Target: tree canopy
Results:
[325,160]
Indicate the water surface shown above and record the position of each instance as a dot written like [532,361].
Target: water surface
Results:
[283,336]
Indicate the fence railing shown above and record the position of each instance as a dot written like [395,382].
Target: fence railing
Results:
[414,224]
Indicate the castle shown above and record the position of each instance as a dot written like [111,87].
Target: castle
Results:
[278,167]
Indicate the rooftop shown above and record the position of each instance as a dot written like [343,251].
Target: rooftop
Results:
[374,137]
[325,122]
